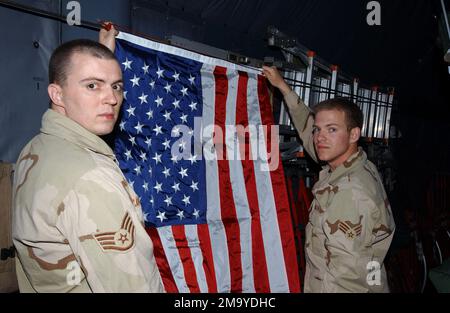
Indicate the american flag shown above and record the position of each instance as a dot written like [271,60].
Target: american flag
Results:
[219,222]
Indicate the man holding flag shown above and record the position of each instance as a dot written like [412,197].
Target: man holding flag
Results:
[77,224]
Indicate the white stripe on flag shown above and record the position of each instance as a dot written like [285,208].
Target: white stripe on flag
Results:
[185,53]
[219,245]
[269,220]
[197,256]
[173,257]
[238,184]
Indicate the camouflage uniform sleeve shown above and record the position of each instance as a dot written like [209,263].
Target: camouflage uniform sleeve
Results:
[102,233]
[348,241]
[303,120]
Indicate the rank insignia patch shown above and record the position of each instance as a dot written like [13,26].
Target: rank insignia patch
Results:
[121,240]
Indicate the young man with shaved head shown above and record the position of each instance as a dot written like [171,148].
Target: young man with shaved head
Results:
[77,223]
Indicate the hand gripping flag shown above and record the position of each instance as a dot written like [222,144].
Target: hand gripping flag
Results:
[196,141]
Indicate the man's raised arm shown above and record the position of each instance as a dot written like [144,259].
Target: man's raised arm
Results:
[107,35]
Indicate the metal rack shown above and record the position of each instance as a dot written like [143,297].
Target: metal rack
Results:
[315,80]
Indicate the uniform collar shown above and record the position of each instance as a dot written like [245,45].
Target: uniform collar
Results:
[354,161]
[56,124]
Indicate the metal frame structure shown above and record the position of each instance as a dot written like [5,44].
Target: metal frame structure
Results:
[447,28]
[315,80]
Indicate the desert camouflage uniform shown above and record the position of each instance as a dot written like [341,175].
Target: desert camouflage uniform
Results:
[73,209]
[350,220]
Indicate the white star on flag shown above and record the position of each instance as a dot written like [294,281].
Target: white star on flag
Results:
[157,158]
[176,132]
[131,111]
[183,118]
[193,106]
[168,88]
[132,140]
[192,158]
[160,72]
[138,128]
[168,200]
[176,187]
[159,101]
[122,125]
[186,200]
[157,130]
[167,116]
[183,172]
[196,213]
[145,68]
[174,159]
[158,187]
[180,214]
[127,64]
[128,154]
[143,98]
[166,172]
[176,104]
[166,144]
[143,156]
[148,141]
[135,81]
[161,216]
[194,186]
[184,91]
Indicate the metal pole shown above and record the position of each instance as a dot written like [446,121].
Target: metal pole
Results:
[445,18]
[46,14]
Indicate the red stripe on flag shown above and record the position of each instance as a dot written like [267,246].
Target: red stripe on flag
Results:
[208,261]
[296,205]
[260,273]
[228,209]
[161,261]
[279,190]
[186,258]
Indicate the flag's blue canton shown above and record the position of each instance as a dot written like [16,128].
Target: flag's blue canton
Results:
[162,92]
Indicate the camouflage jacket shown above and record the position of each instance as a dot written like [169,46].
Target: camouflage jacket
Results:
[77,224]
[350,225]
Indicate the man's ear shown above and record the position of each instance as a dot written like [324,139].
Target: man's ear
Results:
[355,134]
[55,94]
